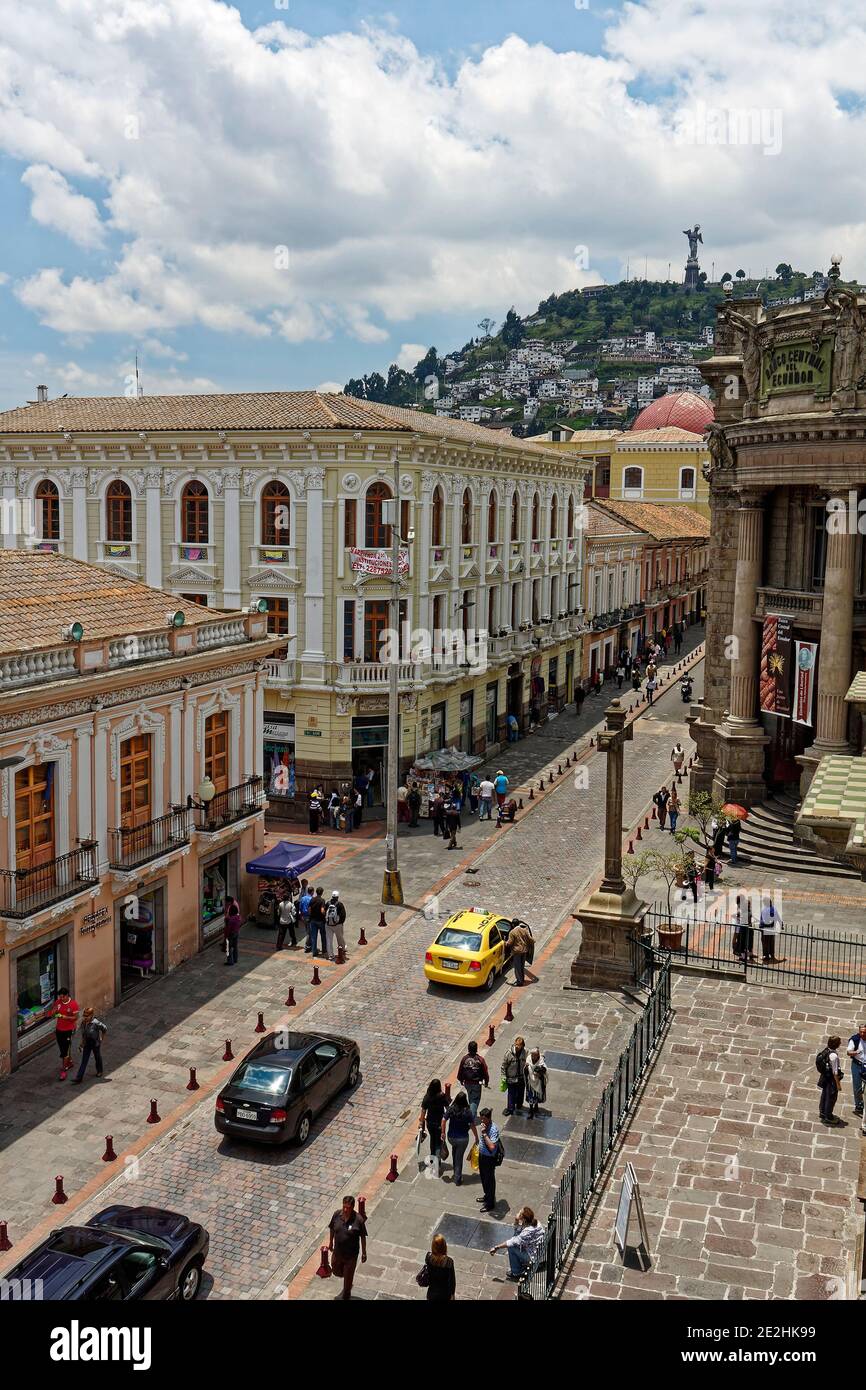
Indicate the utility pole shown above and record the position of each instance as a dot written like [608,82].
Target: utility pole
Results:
[392,887]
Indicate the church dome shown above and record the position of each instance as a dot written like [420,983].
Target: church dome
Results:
[684,409]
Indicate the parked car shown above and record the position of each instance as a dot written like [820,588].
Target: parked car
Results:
[471,950]
[283,1083]
[121,1255]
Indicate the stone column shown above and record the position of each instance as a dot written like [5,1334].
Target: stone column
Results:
[176,791]
[834,652]
[8,478]
[99,745]
[84,772]
[232,540]
[313,655]
[424,553]
[744,667]
[79,517]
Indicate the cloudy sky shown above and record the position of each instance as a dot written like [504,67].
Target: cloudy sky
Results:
[270,196]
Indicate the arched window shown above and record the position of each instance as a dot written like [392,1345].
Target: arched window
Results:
[554,517]
[118,511]
[438,515]
[276,500]
[466,518]
[194,514]
[376,534]
[632,483]
[687,482]
[515,516]
[491,517]
[570,517]
[536,509]
[48,511]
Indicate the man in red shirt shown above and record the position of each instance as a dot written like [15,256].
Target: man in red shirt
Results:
[66,1015]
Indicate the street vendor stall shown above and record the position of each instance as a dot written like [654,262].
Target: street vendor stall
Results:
[275,868]
[444,770]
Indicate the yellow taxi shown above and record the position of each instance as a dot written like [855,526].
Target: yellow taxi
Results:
[471,950]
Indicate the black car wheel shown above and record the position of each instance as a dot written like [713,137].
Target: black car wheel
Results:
[189,1282]
[302,1133]
[354,1071]
[491,979]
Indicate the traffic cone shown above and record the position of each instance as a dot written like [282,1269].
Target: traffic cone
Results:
[153,1117]
[290,998]
[324,1271]
[59,1195]
[228,1055]
[192,1084]
[109,1156]
[260,1026]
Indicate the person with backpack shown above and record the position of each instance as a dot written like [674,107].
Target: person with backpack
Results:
[287,918]
[335,916]
[771,925]
[305,902]
[318,930]
[93,1030]
[473,1074]
[232,930]
[512,1070]
[829,1080]
[490,1156]
[457,1122]
[857,1052]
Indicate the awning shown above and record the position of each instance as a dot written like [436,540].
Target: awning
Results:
[447,760]
[285,856]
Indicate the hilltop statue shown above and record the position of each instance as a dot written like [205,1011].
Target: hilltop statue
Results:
[694,237]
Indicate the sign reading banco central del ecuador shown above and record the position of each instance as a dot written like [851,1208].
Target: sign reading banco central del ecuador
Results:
[798,366]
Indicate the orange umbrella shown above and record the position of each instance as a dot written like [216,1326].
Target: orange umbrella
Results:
[735,812]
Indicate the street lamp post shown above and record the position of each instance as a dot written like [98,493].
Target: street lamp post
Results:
[392,886]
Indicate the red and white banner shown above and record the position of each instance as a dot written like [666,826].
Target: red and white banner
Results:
[377,561]
[804,681]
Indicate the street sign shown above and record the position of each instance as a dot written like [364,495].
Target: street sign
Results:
[630,1196]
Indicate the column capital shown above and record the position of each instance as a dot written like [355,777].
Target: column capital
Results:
[752,498]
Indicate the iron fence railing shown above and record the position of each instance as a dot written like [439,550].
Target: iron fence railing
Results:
[578,1182]
[802,958]
[232,805]
[130,846]
[25,891]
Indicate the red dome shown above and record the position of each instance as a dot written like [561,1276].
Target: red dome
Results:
[681,408]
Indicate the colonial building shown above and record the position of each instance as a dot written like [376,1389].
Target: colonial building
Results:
[226,500]
[130,792]
[787,602]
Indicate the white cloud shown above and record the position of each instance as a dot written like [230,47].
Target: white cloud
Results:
[331,387]
[410,355]
[154,348]
[4,278]
[55,204]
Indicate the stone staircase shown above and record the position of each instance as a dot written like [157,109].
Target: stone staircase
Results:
[767,842]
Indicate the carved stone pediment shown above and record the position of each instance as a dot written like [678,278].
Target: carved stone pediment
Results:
[188,576]
[272,577]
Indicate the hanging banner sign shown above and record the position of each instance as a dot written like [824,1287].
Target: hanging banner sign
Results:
[776,666]
[807,653]
[377,561]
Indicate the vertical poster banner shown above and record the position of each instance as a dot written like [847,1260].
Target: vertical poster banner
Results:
[807,653]
[776,665]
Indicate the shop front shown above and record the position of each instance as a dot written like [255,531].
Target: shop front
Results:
[37,972]
[492,715]
[370,750]
[278,732]
[140,925]
[467,705]
[218,880]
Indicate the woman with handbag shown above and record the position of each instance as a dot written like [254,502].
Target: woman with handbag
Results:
[433,1107]
[459,1120]
[437,1273]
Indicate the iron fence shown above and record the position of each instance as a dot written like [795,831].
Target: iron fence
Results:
[232,805]
[578,1182]
[24,891]
[130,846]
[802,957]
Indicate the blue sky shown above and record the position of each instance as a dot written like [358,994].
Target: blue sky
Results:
[416,167]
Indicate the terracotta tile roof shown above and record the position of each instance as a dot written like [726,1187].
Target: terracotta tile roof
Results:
[601,523]
[248,410]
[662,521]
[42,592]
[667,434]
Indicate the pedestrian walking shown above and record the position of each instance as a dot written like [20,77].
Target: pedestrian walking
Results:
[691,875]
[579,697]
[829,1080]
[512,1071]
[651,687]
[678,757]
[734,839]
[318,929]
[857,1052]
[524,1246]
[93,1030]
[771,926]
[710,870]
[334,809]
[437,1275]
[367,789]
[457,1122]
[335,917]
[402,804]
[522,949]
[719,831]
[490,1155]
[231,930]
[473,1074]
[347,814]
[486,790]
[65,1014]
[314,812]
[452,823]
[437,813]
[474,792]
[535,1077]
[635,677]
[358,811]
[413,801]
[287,919]
[513,728]
[673,808]
[620,676]
[660,801]
[305,902]
[500,786]
[433,1106]
[348,1236]
[742,943]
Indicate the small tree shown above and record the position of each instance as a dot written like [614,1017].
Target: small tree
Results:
[703,809]
[670,867]
[741,275]
[635,867]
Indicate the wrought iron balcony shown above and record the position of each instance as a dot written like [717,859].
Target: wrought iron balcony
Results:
[130,846]
[235,804]
[25,891]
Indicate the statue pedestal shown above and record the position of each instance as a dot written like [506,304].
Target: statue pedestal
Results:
[608,920]
[693,271]
[739,774]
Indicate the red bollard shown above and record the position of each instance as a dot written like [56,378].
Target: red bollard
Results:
[509,1012]
[654,813]
[153,1117]
[260,1026]
[290,998]
[192,1084]
[520,803]
[646,822]
[531,794]
[341,955]
[541,785]
[59,1195]
[491,1036]
[630,849]
[448,1091]
[315,980]
[592,742]
[5,1242]
[382,922]
[559,769]
[550,779]
[567,761]
[324,1271]
[362,1208]
[109,1156]
[392,1174]
[228,1055]
[638,836]
[362,940]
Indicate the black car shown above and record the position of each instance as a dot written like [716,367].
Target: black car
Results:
[281,1086]
[121,1255]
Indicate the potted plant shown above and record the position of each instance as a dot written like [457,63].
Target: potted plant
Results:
[670,868]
